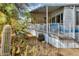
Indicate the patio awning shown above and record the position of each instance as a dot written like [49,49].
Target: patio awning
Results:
[35,6]
[41,7]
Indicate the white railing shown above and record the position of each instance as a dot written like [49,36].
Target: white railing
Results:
[54,28]
[77,33]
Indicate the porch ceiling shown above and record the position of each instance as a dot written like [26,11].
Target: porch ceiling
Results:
[51,7]
[43,9]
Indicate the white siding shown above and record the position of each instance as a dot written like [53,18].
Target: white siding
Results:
[69,20]
[68,16]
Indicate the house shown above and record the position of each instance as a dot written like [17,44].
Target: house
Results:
[61,20]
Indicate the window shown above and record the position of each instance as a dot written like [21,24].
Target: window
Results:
[77,18]
[53,20]
[58,18]
[61,17]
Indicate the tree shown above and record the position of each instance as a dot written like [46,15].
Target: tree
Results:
[10,15]
[9,10]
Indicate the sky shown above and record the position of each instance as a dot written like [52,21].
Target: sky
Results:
[33,6]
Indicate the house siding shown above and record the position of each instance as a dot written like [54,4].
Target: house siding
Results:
[68,17]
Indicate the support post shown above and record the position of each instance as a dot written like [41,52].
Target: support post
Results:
[74,19]
[47,24]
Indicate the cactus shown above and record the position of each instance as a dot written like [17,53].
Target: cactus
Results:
[6,41]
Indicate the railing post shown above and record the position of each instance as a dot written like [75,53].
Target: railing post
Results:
[64,30]
[49,27]
[69,30]
[58,30]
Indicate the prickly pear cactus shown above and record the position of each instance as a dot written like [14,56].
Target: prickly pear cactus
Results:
[6,41]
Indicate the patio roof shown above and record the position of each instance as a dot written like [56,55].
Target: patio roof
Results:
[34,6]
[40,7]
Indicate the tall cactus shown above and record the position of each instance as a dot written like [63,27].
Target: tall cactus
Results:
[6,41]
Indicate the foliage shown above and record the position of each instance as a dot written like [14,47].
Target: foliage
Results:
[8,9]
[9,15]
[23,47]
[2,20]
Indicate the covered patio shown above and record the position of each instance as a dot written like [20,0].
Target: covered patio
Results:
[49,20]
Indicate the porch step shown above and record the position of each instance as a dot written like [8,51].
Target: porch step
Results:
[64,42]
[69,41]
